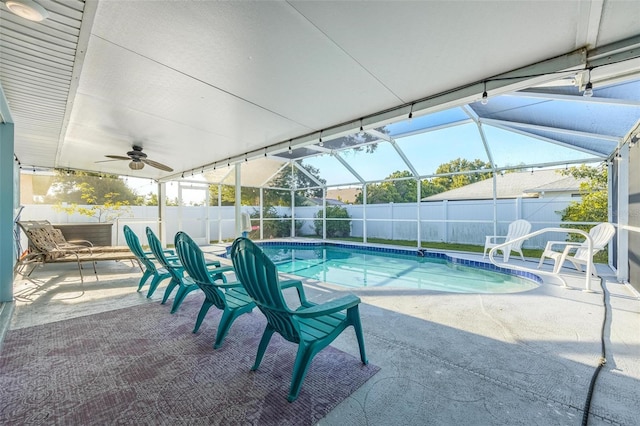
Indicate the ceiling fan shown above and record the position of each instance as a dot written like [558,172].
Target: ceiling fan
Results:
[138,160]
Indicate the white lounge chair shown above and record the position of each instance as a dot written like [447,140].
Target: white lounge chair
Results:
[517,229]
[578,253]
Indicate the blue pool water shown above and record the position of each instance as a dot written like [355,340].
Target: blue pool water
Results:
[354,266]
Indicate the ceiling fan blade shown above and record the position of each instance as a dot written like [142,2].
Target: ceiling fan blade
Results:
[156,165]
[106,161]
[117,157]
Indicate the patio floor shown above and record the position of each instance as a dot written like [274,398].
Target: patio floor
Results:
[499,359]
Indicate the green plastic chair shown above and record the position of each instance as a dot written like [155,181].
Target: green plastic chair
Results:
[150,268]
[312,326]
[231,298]
[184,284]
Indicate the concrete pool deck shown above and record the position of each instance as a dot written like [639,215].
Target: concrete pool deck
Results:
[498,359]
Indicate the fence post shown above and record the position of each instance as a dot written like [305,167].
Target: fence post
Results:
[364,213]
[391,216]
[445,218]
[418,217]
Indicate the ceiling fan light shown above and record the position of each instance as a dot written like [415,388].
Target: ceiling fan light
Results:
[136,165]
[27,9]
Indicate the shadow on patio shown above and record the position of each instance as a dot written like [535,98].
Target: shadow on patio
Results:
[523,358]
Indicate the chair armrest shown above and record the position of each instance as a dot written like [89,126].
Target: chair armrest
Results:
[212,263]
[491,238]
[330,307]
[285,284]
[218,272]
[76,242]
[570,247]
[219,269]
[174,263]
[550,244]
[234,284]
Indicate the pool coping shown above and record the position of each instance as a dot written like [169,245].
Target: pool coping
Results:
[406,252]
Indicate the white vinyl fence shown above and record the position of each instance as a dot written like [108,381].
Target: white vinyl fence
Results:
[465,222]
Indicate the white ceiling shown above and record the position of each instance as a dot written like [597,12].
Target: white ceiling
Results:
[200,82]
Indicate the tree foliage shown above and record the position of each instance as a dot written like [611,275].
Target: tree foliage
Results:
[104,197]
[287,178]
[73,188]
[405,190]
[291,177]
[593,205]
[460,180]
[151,199]
[110,208]
[273,225]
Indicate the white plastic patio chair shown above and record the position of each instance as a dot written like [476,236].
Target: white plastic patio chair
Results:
[600,235]
[517,229]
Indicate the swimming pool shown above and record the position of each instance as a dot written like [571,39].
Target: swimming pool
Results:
[356,266]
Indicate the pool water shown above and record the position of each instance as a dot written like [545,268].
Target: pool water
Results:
[356,267]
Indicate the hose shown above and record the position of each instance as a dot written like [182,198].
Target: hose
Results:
[603,356]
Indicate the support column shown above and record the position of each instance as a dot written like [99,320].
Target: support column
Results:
[364,213]
[495,204]
[293,214]
[261,213]
[7,205]
[220,213]
[162,213]
[238,203]
[419,230]
[622,196]
[324,213]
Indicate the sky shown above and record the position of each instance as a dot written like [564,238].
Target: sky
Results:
[426,151]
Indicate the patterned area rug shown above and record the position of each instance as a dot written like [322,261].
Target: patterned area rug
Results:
[142,365]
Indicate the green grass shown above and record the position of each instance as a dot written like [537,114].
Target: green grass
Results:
[600,257]
[471,248]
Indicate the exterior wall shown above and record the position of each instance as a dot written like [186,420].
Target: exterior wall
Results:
[465,222]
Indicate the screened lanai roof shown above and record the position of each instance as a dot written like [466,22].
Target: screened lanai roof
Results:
[199,84]
[550,125]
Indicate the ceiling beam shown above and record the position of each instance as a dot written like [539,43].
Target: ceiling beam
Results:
[88,16]
[542,138]
[495,122]
[574,98]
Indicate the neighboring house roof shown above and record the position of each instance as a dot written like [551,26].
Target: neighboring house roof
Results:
[318,202]
[513,185]
[347,195]
[565,184]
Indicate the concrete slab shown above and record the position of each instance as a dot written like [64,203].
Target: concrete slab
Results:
[498,359]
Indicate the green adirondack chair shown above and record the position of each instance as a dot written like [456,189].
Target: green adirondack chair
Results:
[151,269]
[184,284]
[312,326]
[231,298]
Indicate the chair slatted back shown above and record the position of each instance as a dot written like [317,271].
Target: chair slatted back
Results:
[158,252]
[600,235]
[194,263]
[517,229]
[259,276]
[134,245]
[42,242]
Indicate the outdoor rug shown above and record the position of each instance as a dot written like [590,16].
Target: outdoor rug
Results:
[143,365]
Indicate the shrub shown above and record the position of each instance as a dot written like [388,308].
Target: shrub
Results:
[273,228]
[335,228]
